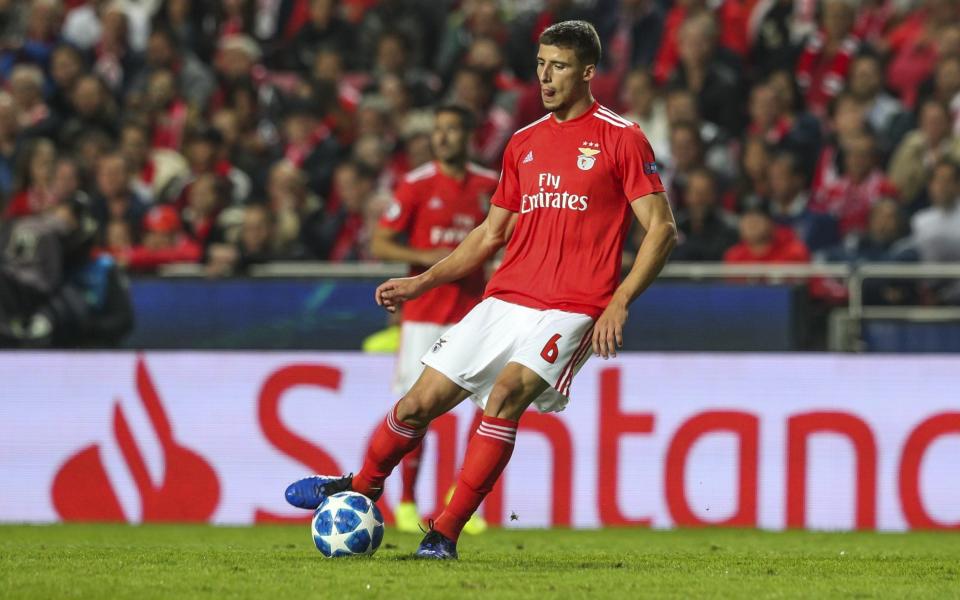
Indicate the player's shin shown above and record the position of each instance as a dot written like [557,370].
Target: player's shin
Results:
[487,454]
[393,440]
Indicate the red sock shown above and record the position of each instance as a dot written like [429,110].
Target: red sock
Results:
[477,417]
[389,444]
[487,454]
[409,469]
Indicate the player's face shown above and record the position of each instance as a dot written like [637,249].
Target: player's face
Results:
[449,138]
[563,80]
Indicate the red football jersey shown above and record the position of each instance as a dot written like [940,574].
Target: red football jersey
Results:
[438,211]
[572,184]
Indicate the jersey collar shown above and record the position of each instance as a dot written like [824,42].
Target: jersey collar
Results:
[574,122]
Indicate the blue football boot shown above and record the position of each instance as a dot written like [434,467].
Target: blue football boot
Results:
[438,547]
[310,492]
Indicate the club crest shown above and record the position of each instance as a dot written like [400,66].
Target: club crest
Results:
[587,158]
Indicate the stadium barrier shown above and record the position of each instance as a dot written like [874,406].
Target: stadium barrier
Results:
[853,328]
[773,441]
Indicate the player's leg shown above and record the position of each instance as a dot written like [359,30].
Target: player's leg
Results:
[415,340]
[431,396]
[489,450]
[401,431]
[477,524]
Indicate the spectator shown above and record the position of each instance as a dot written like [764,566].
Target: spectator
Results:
[165,51]
[154,172]
[882,242]
[850,197]
[884,114]
[393,56]
[922,148]
[67,65]
[752,185]
[324,29]
[113,60]
[773,37]
[115,198]
[705,231]
[686,149]
[475,20]
[486,55]
[167,111]
[823,64]
[8,143]
[344,231]
[731,33]
[92,307]
[207,196]
[66,185]
[474,90]
[93,110]
[714,82]
[646,108]
[253,245]
[33,193]
[51,291]
[681,107]
[917,43]
[34,41]
[309,144]
[295,212]
[33,115]
[936,230]
[164,242]
[206,154]
[762,242]
[848,121]
[641,22]
[789,205]
[780,127]
[188,27]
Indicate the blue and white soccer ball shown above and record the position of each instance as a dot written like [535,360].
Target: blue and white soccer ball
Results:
[347,524]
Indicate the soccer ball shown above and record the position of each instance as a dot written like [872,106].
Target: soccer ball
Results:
[347,524]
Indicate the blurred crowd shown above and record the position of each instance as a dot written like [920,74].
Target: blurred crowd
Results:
[229,133]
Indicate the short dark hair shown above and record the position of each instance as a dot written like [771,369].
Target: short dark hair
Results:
[467,119]
[581,36]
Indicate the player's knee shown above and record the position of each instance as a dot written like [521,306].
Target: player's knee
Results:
[505,401]
[416,408]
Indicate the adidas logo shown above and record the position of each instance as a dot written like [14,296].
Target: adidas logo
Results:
[528,158]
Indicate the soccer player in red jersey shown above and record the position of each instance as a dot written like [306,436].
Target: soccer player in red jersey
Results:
[570,182]
[436,206]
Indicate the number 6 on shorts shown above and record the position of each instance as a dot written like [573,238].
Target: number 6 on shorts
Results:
[550,351]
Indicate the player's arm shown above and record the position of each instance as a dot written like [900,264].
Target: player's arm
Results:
[385,246]
[654,214]
[479,245]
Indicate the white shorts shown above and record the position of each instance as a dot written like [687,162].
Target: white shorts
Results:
[552,343]
[416,338]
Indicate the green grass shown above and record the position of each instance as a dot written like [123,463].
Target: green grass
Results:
[114,561]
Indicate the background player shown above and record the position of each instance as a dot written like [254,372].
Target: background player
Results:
[435,206]
[569,183]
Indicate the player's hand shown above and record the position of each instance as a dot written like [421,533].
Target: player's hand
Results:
[392,293]
[608,330]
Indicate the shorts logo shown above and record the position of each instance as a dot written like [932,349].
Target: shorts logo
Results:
[439,344]
[587,159]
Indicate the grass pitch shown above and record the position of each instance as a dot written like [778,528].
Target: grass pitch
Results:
[167,561]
